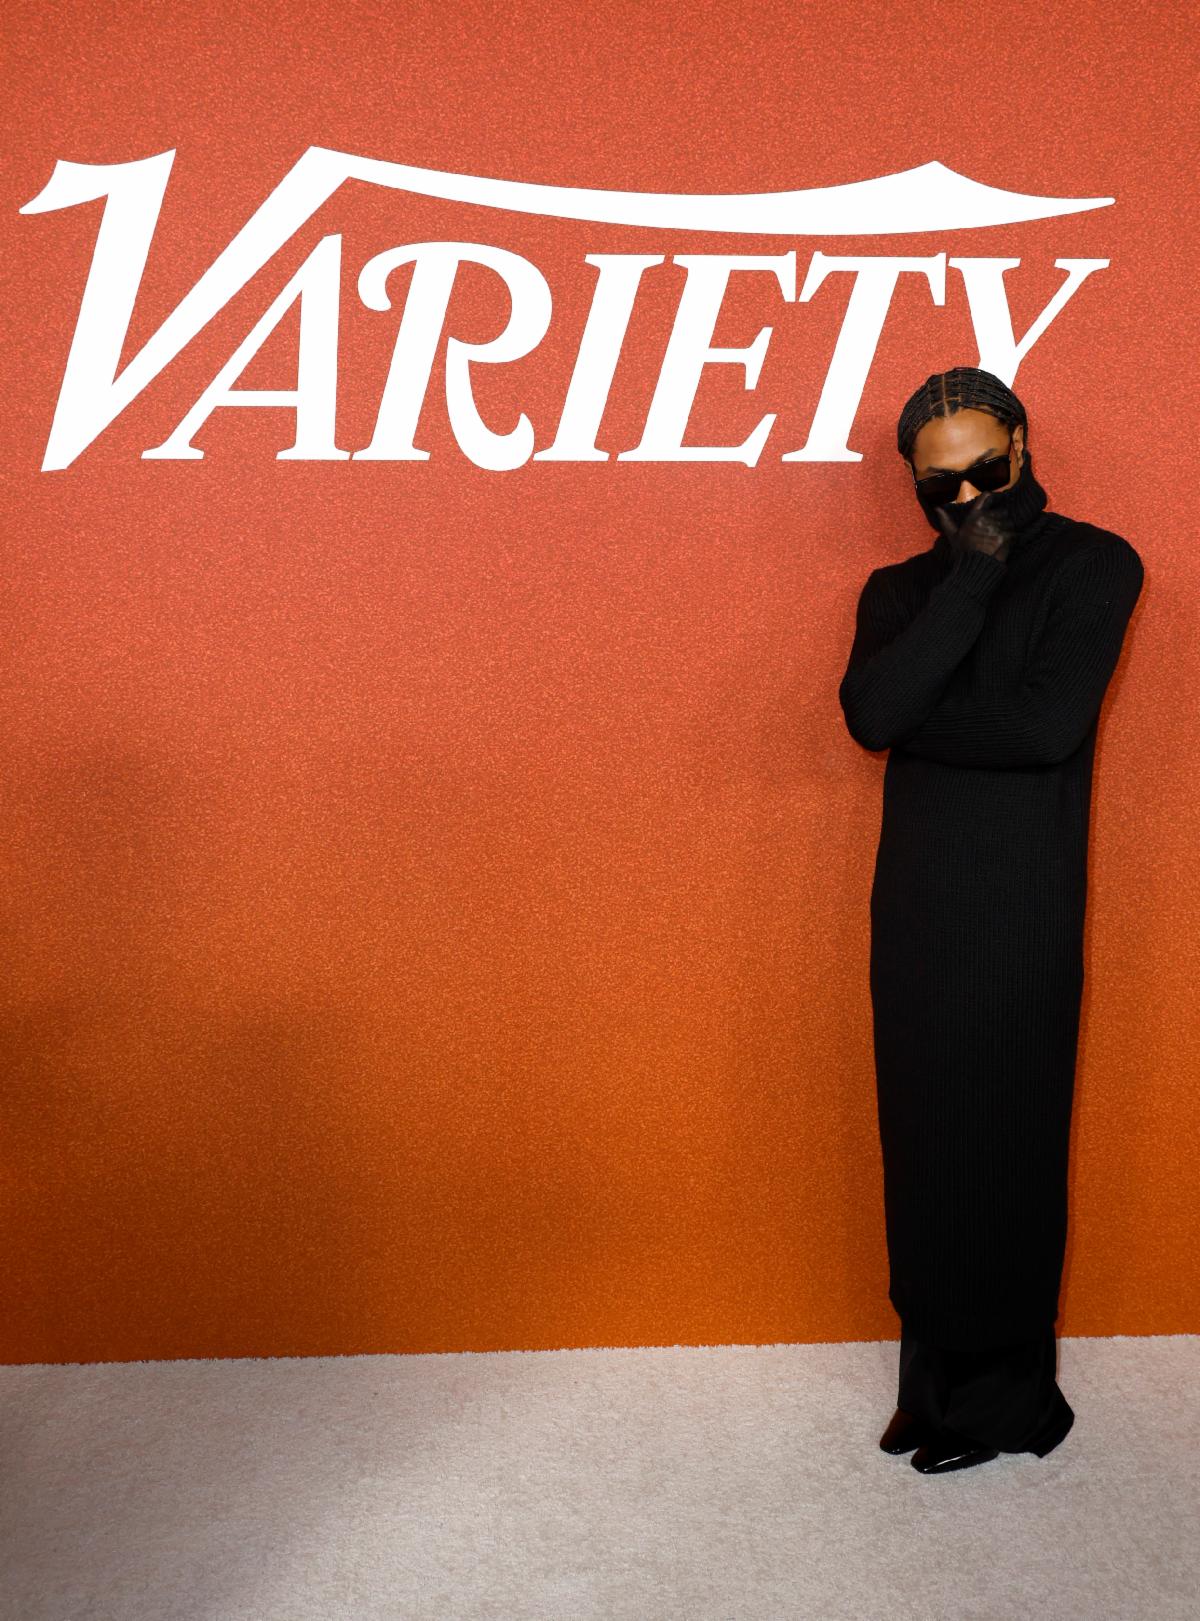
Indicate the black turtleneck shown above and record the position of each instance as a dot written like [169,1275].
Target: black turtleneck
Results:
[983,678]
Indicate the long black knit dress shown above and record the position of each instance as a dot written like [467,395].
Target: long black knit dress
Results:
[984,678]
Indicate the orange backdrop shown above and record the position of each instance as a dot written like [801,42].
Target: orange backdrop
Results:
[435,899]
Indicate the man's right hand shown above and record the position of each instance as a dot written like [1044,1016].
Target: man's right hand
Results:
[979,532]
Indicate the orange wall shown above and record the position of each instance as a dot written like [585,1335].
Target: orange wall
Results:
[435,900]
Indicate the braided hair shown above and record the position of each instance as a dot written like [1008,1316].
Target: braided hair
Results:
[959,389]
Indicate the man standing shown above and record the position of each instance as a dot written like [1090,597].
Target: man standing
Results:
[981,665]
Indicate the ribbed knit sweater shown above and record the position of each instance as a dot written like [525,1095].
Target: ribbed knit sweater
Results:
[984,679]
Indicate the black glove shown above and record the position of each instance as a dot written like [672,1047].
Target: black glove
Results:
[980,531]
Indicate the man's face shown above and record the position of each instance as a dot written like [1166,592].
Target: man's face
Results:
[952,443]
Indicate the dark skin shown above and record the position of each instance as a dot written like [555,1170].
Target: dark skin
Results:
[952,443]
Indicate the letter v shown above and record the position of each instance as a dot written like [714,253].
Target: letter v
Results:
[92,395]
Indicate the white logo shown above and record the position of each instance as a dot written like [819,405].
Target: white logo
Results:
[929,198]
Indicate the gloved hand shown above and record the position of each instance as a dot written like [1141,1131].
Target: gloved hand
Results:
[980,531]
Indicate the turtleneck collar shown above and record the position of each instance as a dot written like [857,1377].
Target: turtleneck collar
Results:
[1019,506]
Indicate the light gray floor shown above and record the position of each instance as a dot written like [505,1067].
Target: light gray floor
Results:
[737,1483]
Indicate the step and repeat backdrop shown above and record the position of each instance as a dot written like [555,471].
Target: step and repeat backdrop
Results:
[444,446]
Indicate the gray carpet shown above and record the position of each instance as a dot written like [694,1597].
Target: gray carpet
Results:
[729,1483]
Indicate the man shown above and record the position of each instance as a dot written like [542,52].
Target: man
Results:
[981,665]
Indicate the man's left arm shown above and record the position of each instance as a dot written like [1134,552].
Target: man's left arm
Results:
[1065,679]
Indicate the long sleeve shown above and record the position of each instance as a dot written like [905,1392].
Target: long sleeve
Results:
[1046,719]
[900,661]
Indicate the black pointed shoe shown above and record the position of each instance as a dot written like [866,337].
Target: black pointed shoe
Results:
[946,1451]
[904,1432]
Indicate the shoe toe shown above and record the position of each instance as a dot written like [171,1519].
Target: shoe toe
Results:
[947,1451]
[904,1432]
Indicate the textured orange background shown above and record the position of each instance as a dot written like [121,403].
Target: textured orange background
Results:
[435,901]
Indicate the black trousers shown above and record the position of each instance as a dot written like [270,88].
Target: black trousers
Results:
[1008,1399]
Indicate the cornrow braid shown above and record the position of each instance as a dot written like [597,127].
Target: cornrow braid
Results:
[961,388]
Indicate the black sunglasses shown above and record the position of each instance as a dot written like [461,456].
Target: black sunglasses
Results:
[940,488]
